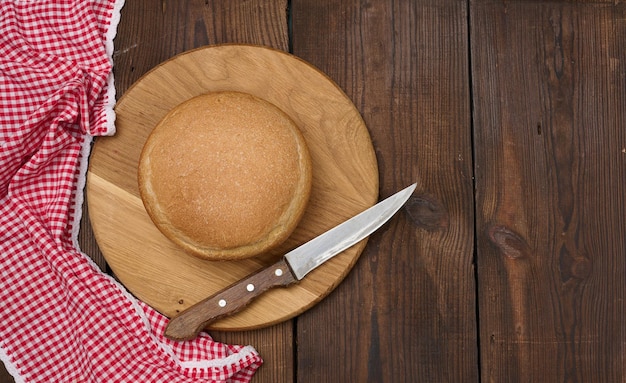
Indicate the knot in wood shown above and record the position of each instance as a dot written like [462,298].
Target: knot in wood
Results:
[581,267]
[427,212]
[510,243]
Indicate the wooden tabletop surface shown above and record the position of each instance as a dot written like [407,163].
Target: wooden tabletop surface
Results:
[509,263]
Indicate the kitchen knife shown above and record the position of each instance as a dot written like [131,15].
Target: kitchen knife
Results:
[294,266]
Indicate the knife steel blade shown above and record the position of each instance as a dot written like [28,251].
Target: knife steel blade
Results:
[294,266]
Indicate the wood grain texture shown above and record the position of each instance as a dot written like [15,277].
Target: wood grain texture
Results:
[5,377]
[151,32]
[275,344]
[407,310]
[189,323]
[345,181]
[87,242]
[549,84]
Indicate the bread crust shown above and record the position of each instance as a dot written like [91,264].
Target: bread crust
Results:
[225,176]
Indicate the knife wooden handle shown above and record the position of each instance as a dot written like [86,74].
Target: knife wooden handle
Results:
[188,323]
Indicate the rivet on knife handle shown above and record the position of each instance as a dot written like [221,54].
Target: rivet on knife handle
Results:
[232,299]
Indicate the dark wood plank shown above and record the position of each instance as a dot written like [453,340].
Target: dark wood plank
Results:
[87,242]
[5,377]
[406,312]
[151,32]
[549,99]
[275,345]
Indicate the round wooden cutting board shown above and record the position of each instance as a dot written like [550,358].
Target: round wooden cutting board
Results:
[345,181]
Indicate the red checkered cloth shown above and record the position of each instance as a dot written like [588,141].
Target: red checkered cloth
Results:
[61,319]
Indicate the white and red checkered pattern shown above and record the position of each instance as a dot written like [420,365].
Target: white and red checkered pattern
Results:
[61,319]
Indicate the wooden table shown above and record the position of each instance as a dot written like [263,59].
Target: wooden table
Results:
[509,263]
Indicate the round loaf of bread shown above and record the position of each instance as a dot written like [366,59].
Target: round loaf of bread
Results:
[225,176]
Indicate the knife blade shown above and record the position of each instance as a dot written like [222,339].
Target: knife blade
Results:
[294,266]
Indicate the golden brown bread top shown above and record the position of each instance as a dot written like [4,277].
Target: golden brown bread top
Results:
[225,175]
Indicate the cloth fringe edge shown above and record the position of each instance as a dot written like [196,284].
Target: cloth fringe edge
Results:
[246,351]
[10,367]
[84,161]
[79,198]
